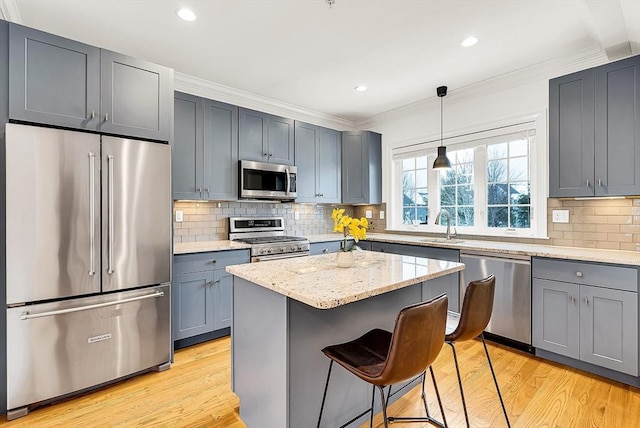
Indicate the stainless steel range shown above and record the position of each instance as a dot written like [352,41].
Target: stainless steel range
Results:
[266,237]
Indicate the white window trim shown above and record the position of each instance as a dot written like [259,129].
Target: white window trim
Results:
[460,139]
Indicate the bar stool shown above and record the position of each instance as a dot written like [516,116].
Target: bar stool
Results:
[474,317]
[382,358]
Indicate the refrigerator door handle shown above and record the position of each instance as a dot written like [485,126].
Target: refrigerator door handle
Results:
[110,219]
[92,213]
[27,316]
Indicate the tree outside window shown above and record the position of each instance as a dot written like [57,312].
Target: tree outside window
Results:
[508,185]
[415,199]
[456,188]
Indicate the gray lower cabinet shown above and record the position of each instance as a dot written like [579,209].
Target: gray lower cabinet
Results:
[594,131]
[448,284]
[201,292]
[318,158]
[265,138]
[361,167]
[587,311]
[205,149]
[324,247]
[57,81]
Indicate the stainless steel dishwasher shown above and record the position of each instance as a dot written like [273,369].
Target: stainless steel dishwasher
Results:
[511,317]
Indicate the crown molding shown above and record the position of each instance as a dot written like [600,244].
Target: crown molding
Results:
[204,88]
[583,59]
[9,11]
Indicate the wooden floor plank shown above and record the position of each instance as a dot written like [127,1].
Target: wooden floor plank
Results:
[196,393]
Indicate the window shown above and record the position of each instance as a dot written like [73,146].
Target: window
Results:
[414,190]
[508,185]
[488,191]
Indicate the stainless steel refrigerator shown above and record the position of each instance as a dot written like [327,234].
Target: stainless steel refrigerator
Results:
[88,243]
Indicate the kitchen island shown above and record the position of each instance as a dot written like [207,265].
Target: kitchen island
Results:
[285,311]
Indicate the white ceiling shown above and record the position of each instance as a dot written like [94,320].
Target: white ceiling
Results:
[305,54]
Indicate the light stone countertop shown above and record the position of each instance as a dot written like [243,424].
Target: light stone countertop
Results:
[206,246]
[317,281]
[571,253]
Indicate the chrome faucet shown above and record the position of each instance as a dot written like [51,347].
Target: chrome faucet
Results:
[438,220]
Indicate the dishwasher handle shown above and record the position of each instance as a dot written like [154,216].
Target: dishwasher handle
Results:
[511,258]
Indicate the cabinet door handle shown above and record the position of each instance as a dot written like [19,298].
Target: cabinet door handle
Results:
[214,261]
[206,189]
[586,301]
[599,182]
[572,298]
[199,189]
[93,114]
[579,274]
[106,117]
[270,154]
[265,155]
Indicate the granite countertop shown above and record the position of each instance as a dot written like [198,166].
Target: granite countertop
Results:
[206,246]
[572,253]
[317,281]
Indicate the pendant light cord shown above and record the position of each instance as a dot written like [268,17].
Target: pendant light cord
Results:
[441,122]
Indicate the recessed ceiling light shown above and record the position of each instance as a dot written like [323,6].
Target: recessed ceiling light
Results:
[186,14]
[469,41]
[360,88]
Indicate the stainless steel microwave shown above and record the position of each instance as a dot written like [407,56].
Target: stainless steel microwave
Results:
[260,180]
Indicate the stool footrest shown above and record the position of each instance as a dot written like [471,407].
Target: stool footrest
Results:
[392,419]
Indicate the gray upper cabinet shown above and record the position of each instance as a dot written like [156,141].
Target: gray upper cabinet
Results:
[205,149]
[188,147]
[587,311]
[361,167]
[136,97]
[53,80]
[594,131]
[220,151]
[265,138]
[62,82]
[318,158]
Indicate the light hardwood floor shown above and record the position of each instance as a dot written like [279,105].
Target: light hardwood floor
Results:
[196,392]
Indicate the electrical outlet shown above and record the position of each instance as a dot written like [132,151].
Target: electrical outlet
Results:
[381,215]
[296,215]
[179,216]
[560,216]
[368,214]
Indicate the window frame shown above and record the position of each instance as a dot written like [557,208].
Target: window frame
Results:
[534,126]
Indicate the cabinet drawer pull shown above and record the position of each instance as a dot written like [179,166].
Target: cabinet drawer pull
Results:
[214,261]
[325,250]
[579,274]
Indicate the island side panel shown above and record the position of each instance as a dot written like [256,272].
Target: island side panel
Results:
[259,359]
[312,329]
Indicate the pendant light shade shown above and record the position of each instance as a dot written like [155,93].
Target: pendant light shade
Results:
[442,161]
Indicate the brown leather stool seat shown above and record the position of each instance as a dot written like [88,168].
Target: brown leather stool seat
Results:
[477,307]
[382,358]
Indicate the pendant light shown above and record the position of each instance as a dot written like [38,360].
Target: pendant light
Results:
[442,161]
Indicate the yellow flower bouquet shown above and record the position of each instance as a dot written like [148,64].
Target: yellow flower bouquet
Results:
[346,225]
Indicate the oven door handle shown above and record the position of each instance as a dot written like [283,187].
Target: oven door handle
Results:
[278,256]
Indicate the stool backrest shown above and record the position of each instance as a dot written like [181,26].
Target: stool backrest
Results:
[476,310]
[417,339]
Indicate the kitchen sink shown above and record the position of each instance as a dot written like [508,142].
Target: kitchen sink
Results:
[445,240]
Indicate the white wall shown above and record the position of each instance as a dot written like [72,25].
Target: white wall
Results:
[502,101]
